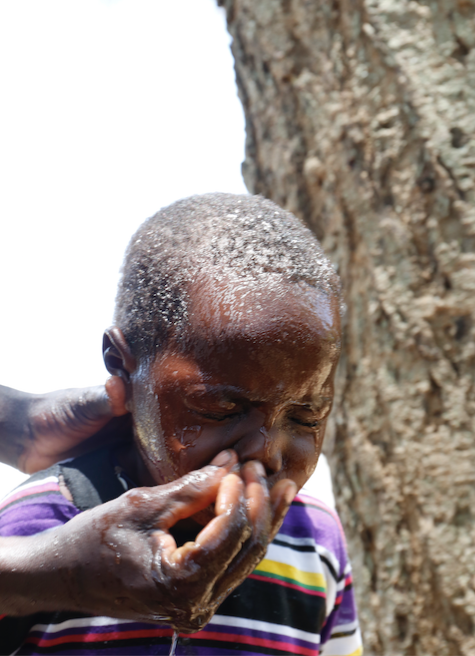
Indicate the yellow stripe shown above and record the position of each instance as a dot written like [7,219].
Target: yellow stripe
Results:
[357,652]
[289,572]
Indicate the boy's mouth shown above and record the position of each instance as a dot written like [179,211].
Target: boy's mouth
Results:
[187,529]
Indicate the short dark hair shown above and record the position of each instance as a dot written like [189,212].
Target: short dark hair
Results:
[247,236]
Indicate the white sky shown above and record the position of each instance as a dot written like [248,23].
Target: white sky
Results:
[110,110]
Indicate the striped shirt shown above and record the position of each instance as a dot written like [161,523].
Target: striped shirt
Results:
[299,599]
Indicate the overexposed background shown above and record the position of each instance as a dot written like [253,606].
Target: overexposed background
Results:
[110,110]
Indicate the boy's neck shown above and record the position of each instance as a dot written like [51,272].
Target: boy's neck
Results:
[128,457]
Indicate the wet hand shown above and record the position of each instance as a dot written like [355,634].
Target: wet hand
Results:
[132,567]
[59,424]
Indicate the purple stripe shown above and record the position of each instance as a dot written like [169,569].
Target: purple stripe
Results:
[130,650]
[255,633]
[20,494]
[143,650]
[137,626]
[305,522]
[344,614]
[36,515]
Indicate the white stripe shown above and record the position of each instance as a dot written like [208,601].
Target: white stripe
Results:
[222,620]
[302,561]
[26,486]
[310,542]
[297,541]
[341,585]
[331,557]
[343,628]
[342,646]
[80,622]
[330,591]
[312,563]
[266,627]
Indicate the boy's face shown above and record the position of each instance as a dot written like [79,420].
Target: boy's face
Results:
[255,374]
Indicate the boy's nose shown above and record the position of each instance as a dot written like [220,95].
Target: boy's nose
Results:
[263,445]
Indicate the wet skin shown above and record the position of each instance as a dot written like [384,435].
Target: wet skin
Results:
[259,382]
[253,375]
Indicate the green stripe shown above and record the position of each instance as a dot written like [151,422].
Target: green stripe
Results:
[287,580]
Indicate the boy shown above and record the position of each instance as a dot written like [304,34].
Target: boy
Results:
[227,337]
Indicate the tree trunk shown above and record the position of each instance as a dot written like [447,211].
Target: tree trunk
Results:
[360,119]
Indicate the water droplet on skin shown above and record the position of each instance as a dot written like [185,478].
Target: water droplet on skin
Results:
[189,436]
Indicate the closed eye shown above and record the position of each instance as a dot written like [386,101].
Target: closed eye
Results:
[306,423]
[215,411]
[216,417]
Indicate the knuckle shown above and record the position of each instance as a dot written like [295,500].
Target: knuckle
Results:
[137,497]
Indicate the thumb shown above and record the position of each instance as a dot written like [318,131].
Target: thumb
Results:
[116,396]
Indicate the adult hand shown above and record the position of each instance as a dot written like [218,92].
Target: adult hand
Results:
[132,567]
[37,430]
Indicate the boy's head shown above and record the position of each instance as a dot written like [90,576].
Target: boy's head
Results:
[227,336]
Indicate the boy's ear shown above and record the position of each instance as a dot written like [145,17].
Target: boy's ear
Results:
[117,355]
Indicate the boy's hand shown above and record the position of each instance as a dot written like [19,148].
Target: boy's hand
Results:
[37,430]
[132,568]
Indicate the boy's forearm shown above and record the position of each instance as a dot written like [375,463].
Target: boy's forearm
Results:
[29,582]
[14,426]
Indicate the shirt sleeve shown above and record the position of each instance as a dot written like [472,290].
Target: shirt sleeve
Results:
[340,634]
[35,506]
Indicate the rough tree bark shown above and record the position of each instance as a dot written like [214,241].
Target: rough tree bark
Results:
[361,120]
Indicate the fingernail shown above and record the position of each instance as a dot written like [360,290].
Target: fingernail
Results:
[222,458]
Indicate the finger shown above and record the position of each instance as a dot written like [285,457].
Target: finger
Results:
[257,495]
[89,404]
[218,543]
[268,512]
[228,530]
[259,513]
[116,396]
[195,491]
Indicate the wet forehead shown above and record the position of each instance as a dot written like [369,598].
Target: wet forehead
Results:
[244,309]
[258,339]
